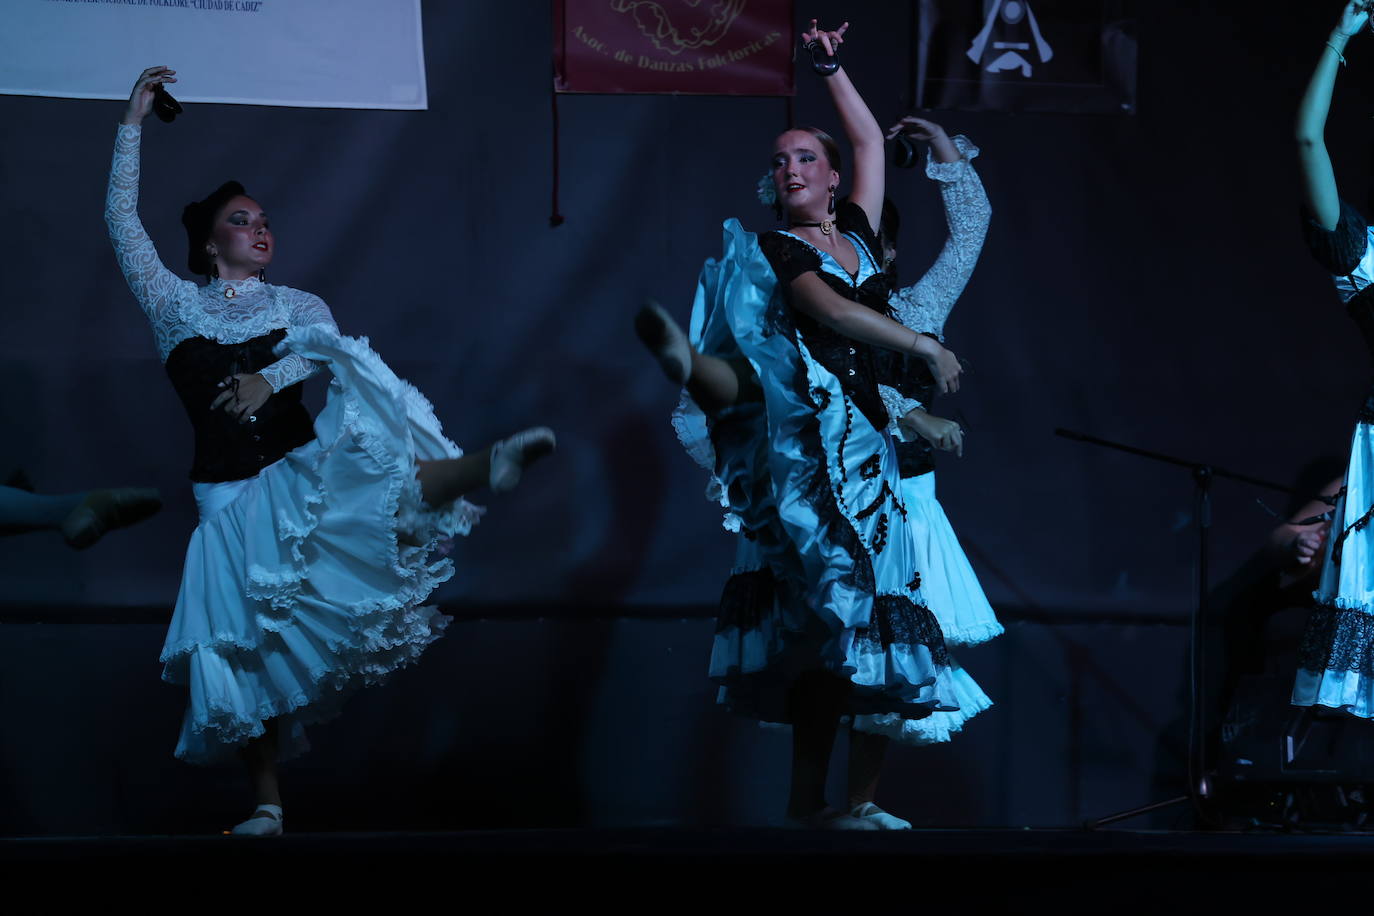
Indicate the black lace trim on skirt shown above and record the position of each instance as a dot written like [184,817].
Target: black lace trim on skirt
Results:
[899,621]
[1338,639]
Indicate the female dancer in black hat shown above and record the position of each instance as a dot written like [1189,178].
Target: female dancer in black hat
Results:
[307,575]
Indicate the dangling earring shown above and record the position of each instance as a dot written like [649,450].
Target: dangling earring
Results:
[831,208]
[262,274]
[214,269]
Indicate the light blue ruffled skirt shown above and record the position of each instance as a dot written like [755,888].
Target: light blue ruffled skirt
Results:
[826,575]
[953,594]
[1336,658]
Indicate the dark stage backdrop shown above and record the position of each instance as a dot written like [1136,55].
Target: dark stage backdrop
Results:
[1143,280]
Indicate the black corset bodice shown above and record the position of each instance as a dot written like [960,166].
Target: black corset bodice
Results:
[911,377]
[224,448]
[853,363]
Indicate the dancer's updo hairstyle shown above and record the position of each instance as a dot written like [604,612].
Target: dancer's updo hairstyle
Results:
[199,220]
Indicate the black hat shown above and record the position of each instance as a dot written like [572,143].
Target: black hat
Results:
[199,220]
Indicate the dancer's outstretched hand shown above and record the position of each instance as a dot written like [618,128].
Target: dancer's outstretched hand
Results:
[141,99]
[946,435]
[944,365]
[917,129]
[1354,17]
[243,394]
[829,40]
[929,132]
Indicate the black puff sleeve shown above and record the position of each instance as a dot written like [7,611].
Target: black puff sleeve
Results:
[1338,250]
[850,217]
[789,257]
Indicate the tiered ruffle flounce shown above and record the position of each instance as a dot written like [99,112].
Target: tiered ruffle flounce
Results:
[954,595]
[826,576]
[306,582]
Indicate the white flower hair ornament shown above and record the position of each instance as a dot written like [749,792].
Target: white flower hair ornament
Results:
[768,195]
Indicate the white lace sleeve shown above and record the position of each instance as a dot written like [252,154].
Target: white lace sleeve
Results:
[898,406]
[925,306]
[304,309]
[153,285]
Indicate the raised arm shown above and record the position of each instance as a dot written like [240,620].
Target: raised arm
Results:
[1320,197]
[925,305]
[152,284]
[811,296]
[865,136]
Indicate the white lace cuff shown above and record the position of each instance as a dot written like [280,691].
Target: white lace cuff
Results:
[898,406]
[288,370]
[950,172]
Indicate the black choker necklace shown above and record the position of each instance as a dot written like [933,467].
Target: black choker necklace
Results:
[826,226]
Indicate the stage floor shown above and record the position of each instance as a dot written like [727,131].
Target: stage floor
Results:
[958,849]
[734,870]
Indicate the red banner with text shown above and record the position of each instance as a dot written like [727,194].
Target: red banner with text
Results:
[705,47]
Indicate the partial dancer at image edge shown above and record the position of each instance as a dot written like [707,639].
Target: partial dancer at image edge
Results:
[316,548]
[1336,657]
[82,517]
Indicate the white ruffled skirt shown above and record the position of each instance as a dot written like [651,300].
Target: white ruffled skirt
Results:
[953,594]
[307,581]
[1336,657]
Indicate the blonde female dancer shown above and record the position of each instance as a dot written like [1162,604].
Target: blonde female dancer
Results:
[824,614]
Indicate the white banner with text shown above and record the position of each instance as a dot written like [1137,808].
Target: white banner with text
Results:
[305,53]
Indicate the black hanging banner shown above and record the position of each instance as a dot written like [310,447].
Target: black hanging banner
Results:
[1075,56]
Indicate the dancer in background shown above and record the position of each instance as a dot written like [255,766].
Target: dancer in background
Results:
[82,518]
[824,615]
[306,576]
[950,587]
[1336,660]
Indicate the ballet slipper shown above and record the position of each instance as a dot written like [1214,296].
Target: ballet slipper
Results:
[830,819]
[511,456]
[666,341]
[257,825]
[880,819]
[103,511]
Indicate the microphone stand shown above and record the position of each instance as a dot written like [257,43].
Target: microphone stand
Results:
[1203,475]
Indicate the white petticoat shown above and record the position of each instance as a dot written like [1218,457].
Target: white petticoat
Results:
[297,589]
[953,594]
